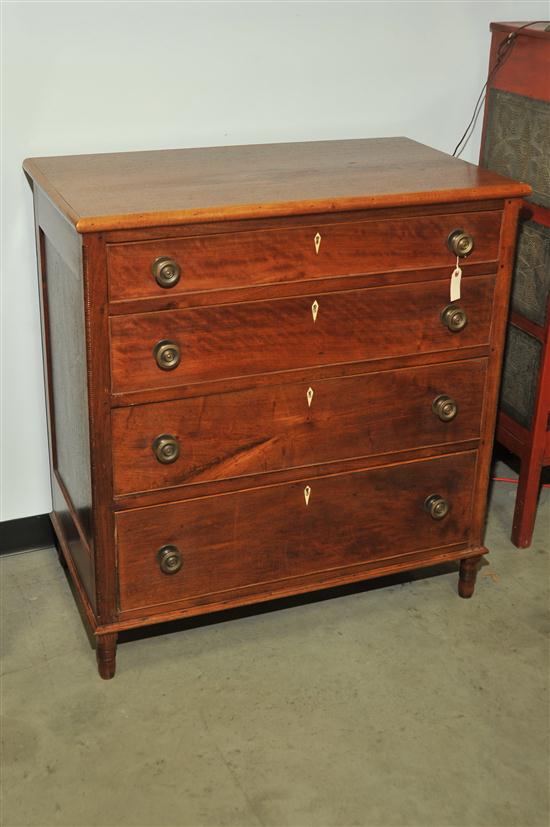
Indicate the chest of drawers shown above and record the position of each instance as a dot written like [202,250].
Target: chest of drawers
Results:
[257,382]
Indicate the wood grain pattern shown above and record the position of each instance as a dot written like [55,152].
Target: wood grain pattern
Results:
[384,363]
[263,337]
[274,428]
[167,231]
[249,543]
[369,447]
[318,581]
[234,259]
[267,292]
[151,189]
[144,499]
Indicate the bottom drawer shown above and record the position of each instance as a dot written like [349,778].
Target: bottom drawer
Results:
[255,538]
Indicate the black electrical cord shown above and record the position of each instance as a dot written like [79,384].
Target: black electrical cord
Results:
[502,53]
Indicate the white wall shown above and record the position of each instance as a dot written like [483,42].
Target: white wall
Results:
[102,77]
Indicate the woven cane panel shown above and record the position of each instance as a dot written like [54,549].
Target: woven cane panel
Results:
[531,284]
[517,141]
[520,375]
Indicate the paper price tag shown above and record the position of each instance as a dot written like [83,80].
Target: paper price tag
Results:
[456,277]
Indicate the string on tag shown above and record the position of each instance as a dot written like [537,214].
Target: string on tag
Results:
[456,276]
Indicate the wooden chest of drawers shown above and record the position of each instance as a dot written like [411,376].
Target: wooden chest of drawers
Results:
[257,382]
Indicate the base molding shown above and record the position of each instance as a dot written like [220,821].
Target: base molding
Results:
[106,634]
[153,618]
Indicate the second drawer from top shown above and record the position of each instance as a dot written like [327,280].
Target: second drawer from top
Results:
[179,347]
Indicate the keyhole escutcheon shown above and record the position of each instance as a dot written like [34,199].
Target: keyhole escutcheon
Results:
[317,242]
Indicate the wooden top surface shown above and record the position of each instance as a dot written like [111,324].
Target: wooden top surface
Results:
[147,189]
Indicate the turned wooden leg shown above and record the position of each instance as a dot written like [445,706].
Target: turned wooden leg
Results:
[106,655]
[467,576]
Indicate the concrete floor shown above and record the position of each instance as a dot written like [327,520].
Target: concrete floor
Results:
[396,704]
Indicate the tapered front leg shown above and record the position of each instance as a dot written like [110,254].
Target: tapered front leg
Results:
[467,576]
[106,655]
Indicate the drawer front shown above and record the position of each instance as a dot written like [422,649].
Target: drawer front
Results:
[239,259]
[258,537]
[228,341]
[288,426]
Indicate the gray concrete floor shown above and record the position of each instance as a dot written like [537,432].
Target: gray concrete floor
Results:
[397,704]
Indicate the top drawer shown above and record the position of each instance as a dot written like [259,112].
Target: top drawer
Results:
[239,259]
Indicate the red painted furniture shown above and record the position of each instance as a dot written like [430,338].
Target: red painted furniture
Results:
[516,142]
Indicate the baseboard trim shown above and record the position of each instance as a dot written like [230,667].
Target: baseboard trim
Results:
[26,534]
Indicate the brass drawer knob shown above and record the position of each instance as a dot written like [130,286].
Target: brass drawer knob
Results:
[166,448]
[436,506]
[460,243]
[444,407]
[454,318]
[166,271]
[169,559]
[167,354]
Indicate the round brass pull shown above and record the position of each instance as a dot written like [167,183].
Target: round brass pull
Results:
[444,407]
[454,318]
[460,243]
[166,271]
[169,559]
[166,448]
[167,354]
[436,506]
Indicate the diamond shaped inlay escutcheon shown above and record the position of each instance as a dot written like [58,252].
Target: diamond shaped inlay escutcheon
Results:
[307,494]
[317,242]
[315,309]
[309,395]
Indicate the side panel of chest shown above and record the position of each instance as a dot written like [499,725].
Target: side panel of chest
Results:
[62,296]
